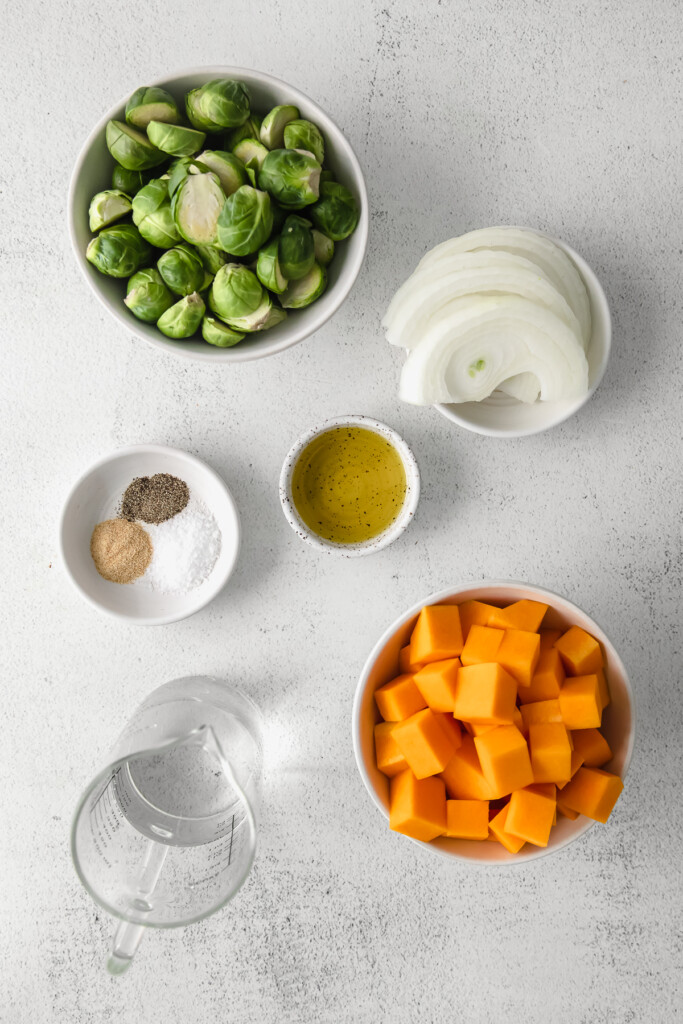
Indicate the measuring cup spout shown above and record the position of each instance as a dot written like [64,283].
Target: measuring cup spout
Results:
[127,938]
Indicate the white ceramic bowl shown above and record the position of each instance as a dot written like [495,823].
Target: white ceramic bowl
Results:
[402,520]
[500,415]
[92,499]
[93,173]
[618,723]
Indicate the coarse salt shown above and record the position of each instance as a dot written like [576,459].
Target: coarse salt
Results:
[186,548]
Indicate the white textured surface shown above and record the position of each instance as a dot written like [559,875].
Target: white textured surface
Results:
[555,114]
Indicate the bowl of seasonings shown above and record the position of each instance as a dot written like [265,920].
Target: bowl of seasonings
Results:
[350,486]
[149,534]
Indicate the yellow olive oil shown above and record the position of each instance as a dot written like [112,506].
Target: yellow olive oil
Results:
[349,485]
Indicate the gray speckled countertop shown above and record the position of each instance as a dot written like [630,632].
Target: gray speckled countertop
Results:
[560,115]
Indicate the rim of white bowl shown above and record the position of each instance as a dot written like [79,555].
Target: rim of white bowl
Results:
[598,299]
[434,598]
[393,531]
[236,354]
[216,585]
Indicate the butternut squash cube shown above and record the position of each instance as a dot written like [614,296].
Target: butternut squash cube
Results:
[485,694]
[548,638]
[550,751]
[603,688]
[575,763]
[425,742]
[530,814]
[475,729]
[404,660]
[417,807]
[579,651]
[541,711]
[481,645]
[389,758]
[518,654]
[593,747]
[567,812]
[437,683]
[474,613]
[526,615]
[504,758]
[593,792]
[399,699]
[580,703]
[437,634]
[463,775]
[467,819]
[546,680]
[497,828]
[452,727]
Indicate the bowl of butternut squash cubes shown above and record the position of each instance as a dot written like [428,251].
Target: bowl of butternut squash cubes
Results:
[494,722]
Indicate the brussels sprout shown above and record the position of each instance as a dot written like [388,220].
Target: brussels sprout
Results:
[194,114]
[245,222]
[118,251]
[152,214]
[150,103]
[217,333]
[106,207]
[336,213]
[268,268]
[236,292]
[183,318]
[291,177]
[222,103]
[306,290]
[212,258]
[174,139]
[131,148]
[181,269]
[323,247]
[305,135]
[296,251]
[207,282]
[249,130]
[127,181]
[147,297]
[273,126]
[251,152]
[180,169]
[196,205]
[264,316]
[229,169]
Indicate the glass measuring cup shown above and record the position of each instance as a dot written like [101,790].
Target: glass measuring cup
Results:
[165,834]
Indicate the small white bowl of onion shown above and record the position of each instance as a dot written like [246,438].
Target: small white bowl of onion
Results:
[507,331]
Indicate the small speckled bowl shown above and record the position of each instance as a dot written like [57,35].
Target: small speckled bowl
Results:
[402,520]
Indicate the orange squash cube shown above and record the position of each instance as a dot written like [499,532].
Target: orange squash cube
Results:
[475,729]
[452,727]
[417,807]
[481,645]
[550,751]
[399,699]
[389,758]
[541,711]
[593,747]
[580,652]
[593,792]
[404,666]
[425,742]
[485,694]
[497,828]
[603,688]
[437,682]
[546,680]
[567,812]
[531,812]
[574,764]
[548,638]
[580,702]
[519,653]
[474,613]
[526,615]
[467,819]
[504,759]
[463,775]
[437,634]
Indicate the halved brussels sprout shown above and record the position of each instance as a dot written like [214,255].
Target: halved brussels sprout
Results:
[249,130]
[150,103]
[174,138]
[228,167]
[127,181]
[302,134]
[152,214]
[183,318]
[306,290]
[131,148]
[107,207]
[296,251]
[196,205]
[180,169]
[147,297]
[221,103]
[236,292]
[245,222]
[336,213]
[251,152]
[323,247]
[291,177]
[273,126]
[212,258]
[118,251]
[266,315]
[217,333]
[268,268]
[182,270]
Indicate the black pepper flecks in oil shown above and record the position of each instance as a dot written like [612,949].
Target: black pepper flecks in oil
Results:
[349,485]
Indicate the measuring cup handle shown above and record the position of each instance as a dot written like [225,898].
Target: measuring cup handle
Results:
[127,938]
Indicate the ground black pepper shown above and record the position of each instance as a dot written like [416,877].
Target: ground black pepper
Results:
[154,499]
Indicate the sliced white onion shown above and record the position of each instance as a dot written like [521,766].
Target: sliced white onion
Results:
[524,387]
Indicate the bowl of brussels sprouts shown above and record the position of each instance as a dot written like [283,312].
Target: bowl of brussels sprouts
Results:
[219,214]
